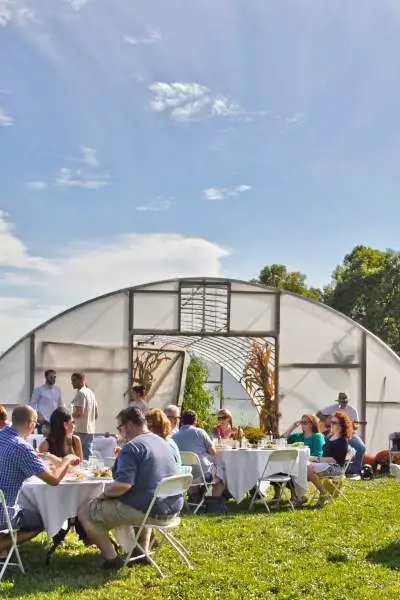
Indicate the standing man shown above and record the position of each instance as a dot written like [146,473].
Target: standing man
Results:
[342,405]
[46,398]
[19,461]
[85,413]
[173,413]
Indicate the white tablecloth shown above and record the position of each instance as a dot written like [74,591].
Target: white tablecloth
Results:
[243,468]
[59,503]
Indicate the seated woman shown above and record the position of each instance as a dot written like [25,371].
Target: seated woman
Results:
[334,456]
[61,440]
[158,423]
[225,429]
[310,434]
[325,426]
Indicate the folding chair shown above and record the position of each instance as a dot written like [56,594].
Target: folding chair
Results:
[289,456]
[191,459]
[169,486]
[14,548]
[333,483]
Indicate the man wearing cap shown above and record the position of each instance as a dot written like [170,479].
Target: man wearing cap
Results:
[173,413]
[342,405]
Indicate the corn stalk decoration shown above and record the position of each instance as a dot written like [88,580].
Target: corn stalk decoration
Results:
[144,366]
[259,381]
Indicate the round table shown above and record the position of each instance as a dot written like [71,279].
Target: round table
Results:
[242,468]
[59,503]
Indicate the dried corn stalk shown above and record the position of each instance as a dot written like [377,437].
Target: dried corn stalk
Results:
[259,381]
[144,366]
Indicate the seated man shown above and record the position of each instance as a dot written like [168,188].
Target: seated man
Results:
[191,438]
[173,413]
[19,461]
[142,463]
[342,405]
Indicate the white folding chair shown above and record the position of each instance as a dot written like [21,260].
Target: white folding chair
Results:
[14,547]
[169,486]
[191,459]
[281,480]
[333,483]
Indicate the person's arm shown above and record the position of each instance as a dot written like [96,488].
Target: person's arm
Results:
[294,426]
[59,471]
[44,447]
[208,443]
[78,447]
[318,444]
[115,490]
[79,402]
[34,402]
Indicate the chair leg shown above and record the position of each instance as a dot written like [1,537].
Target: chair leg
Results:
[173,543]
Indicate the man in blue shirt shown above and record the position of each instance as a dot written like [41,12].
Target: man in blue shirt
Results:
[191,438]
[142,463]
[19,461]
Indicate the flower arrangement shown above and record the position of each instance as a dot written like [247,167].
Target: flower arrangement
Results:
[254,434]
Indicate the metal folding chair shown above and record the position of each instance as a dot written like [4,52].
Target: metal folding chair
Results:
[281,480]
[191,459]
[333,483]
[169,486]
[14,547]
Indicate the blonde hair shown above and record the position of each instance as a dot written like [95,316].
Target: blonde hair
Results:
[158,422]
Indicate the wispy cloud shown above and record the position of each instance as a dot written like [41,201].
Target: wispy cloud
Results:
[6,120]
[158,205]
[78,4]
[188,101]
[224,193]
[14,12]
[153,37]
[88,176]
[36,185]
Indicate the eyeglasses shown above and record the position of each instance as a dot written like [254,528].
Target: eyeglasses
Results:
[222,417]
[119,427]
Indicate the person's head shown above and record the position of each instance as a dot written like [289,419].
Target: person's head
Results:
[224,417]
[61,426]
[24,419]
[50,376]
[158,422]
[310,424]
[342,400]
[325,423]
[341,425]
[173,413]
[131,422]
[77,380]
[189,417]
[3,417]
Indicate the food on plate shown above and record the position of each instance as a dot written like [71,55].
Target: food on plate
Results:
[80,476]
[102,472]
[297,444]
[270,446]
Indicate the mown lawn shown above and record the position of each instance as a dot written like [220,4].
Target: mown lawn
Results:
[336,553]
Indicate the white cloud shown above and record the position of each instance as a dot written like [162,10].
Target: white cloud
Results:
[12,11]
[78,4]
[160,204]
[297,118]
[223,193]
[6,120]
[90,268]
[87,177]
[153,37]
[89,156]
[37,185]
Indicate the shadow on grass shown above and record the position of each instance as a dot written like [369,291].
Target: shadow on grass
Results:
[389,556]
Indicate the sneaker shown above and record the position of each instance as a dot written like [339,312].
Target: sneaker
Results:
[114,564]
[353,476]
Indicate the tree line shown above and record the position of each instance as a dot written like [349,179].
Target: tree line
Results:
[365,287]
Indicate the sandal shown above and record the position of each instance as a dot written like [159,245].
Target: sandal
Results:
[322,500]
[299,501]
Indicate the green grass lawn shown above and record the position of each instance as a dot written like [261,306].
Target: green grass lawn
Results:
[336,553]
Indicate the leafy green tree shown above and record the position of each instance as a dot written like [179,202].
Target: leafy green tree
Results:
[196,396]
[366,287]
[277,276]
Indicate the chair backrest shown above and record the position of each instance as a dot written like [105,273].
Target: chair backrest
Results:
[191,459]
[349,457]
[290,456]
[4,510]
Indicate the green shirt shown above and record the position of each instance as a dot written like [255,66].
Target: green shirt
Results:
[316,442]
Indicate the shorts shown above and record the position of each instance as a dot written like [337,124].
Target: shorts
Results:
[328,470]
[27,520]
[109,514]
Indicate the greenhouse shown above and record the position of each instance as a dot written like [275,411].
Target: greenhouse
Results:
[315,352]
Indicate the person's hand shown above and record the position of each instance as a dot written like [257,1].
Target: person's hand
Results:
[72,459]
[297,423]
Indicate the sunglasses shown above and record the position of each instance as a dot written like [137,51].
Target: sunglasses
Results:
[222,418]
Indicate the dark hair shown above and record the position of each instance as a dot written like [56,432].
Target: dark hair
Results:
[132,414]
[48,371]
[22,414]
[3,413]
[56,437]
[80,376]
[139,390]
[314,423]
[345,424]
[189,417]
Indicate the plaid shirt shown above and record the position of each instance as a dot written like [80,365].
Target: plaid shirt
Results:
[18,461]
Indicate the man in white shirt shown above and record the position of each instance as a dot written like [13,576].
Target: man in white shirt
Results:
[85,413]
[46,398]
[342,405]
[173,413]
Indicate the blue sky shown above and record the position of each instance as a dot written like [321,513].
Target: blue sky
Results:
[146,140]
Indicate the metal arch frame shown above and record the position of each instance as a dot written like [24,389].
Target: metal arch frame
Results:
[250,288]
